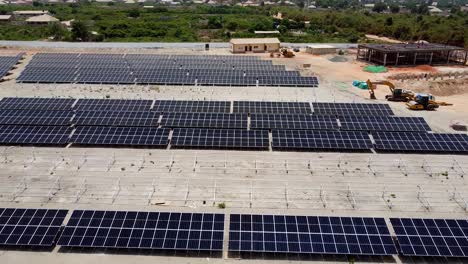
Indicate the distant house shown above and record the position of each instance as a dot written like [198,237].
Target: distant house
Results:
[243,45]
[464,8]
[42,20]
[268,32]
[30,13]
[5,18]
[435,10]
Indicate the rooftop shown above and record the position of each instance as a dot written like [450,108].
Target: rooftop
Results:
[5,17]
[255,41]
[413,47]
[42,18]
[30,12]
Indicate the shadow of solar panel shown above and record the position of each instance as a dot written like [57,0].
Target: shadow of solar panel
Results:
[110,118]
[299,121]
[272,107]
[35,117]
[204,120]
[347,109]
[219,138]
[431,237]
[40,135]
[383,123]
[309,139]
[25,103]
[129,136]
[113,105]
[310,234]
[144,230]
[172,106]
[30,227]
[407,141]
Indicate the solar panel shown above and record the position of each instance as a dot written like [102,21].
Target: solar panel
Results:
[130,136]
[417,141]
[310,234]
[113,105]
[171,106]
[7,63]
[383,123]
[155,69]
[110,118]
[272,107]
[220,138]
[308,139]
[36,103]
[204,120]
[353,109]
[431,237]
[47,135]
[30,227]
[144,230]
[299,121]
[35,117]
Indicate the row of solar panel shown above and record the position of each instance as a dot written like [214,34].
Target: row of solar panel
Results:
[128,72]
[204,79]
[211,120]
[179,106]
[168,72]
[143,57]
[234,138]
[247,233]
[7,63]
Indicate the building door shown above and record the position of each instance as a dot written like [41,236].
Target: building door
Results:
[246,48]
[265,47]
[250,48]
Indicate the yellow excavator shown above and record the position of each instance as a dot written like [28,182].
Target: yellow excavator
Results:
[413,101]
[398,95]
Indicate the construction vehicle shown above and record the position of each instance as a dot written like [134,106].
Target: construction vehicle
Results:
[425,102]
[398,95]
[287,53]
[413,101]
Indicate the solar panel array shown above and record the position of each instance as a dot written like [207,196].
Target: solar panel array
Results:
[160,69]
[220,138]
[383,123]
[247,232]
[30,227]
[25,103]
[216,124]
[130,136]
[310,234]
[431,142]
[299,121]
[431,237]
[37,135]
[112,118]
[7,63]
[116,105]
[180,106]
[35,117]
[204,120]
[272,107]
[144,230]
[324,140]
[352,109]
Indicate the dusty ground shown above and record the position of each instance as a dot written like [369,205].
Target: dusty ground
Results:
[345,184]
